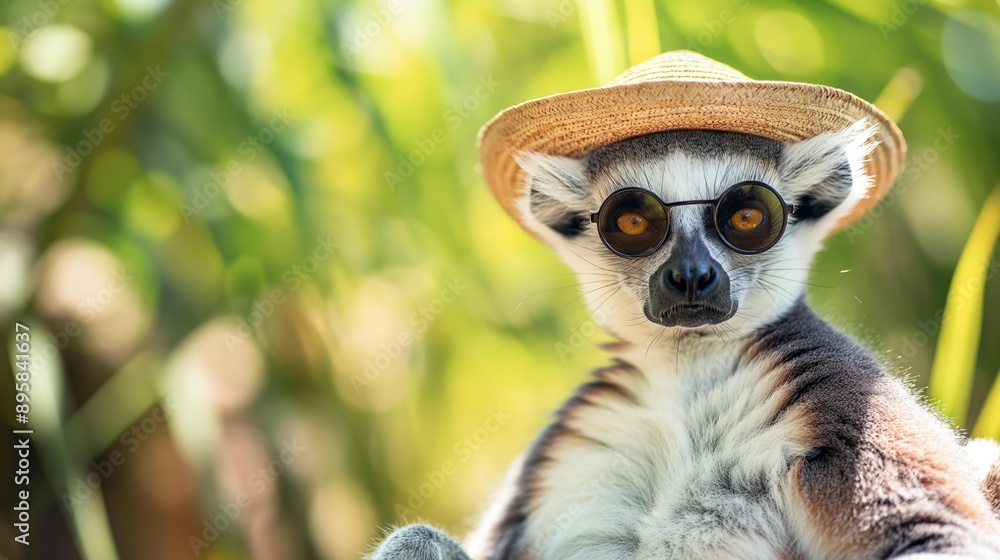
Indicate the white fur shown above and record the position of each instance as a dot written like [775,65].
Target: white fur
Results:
[648,451]
[983,453]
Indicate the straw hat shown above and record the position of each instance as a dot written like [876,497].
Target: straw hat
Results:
[680,90]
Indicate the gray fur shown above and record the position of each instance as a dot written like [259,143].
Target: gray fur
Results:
[419,542]
[701,143]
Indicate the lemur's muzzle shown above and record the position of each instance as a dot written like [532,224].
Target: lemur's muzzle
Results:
[690,289]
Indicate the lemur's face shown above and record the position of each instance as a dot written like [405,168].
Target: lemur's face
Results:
[695,281]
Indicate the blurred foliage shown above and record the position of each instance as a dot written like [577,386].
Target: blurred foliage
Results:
[264,276]
[958,346]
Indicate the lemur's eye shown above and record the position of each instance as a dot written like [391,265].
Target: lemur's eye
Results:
[632,223]
[746,219]
[750,217]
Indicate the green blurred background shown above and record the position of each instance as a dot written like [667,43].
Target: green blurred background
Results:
[273,307]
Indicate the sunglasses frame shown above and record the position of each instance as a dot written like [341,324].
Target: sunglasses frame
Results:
[788,209]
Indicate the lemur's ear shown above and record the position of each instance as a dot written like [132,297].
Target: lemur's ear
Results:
[820,173]
[556,193]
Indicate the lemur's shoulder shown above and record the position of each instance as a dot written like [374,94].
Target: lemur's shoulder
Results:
[873,438]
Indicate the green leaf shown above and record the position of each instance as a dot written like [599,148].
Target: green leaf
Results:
[955,359]
[602,38]
[642,30]
[988,423]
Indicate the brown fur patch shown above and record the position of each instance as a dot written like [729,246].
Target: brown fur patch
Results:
[883,474]
[893,481]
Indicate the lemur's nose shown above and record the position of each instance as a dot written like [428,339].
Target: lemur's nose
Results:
[690,288]
[693,278]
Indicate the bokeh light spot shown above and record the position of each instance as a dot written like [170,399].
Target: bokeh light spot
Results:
[29,189]
[970,44]
[341,520]
[257,192]
[151,206]
[219,365]
[92,296]
[139,9]
[245,55]
[56,53]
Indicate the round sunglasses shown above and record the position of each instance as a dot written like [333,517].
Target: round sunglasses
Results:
[749,217]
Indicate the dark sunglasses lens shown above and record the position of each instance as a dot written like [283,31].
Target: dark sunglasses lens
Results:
[632,222]
[751,217]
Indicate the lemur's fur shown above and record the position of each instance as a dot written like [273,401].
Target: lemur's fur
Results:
[768,434]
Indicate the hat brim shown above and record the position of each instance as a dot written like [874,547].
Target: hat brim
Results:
[571,124]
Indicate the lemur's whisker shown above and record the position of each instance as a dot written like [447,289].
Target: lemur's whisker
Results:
[769,263]
[715,330]
[813,284]
[574,286]
[583,294]
[615,285]
[763,283]
[618,272]
[731,328]
[653,342]
[606,299]
[564,272]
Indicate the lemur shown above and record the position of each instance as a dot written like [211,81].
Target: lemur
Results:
[735,422]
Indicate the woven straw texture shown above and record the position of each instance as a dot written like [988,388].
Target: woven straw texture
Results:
[674,91]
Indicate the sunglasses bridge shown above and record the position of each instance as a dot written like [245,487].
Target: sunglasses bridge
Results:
[669,205]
